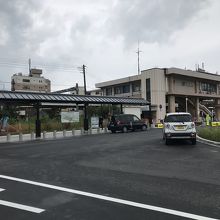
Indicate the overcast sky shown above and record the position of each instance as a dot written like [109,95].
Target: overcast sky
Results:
[60,36]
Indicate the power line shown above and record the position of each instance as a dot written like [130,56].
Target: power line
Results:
[48,66]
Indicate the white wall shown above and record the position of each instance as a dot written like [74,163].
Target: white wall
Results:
[132,110]
[158,89]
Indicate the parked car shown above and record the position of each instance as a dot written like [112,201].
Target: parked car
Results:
[179,125]
[125,122]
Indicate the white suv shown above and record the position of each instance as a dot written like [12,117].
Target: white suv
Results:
[179,125]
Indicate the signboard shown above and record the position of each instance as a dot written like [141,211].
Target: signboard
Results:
[145,108]
[94,122]
[69,117]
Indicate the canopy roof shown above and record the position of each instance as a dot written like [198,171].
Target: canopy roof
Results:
[35,97]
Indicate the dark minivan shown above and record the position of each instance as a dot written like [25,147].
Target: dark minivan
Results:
[125,122]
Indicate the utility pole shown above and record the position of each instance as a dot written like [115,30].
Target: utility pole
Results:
[138,53]
[84,77]
[77,93]
[29,66]
[86,122]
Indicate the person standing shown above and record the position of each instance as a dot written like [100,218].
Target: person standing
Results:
[207,118]
[4,123]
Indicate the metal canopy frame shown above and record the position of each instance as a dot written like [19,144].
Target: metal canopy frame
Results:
[39,100]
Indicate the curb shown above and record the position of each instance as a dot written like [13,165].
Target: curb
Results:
[3,139]
[211,143]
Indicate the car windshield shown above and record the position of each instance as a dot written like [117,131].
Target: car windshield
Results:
[178,118]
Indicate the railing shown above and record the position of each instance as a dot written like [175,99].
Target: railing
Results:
[205,109]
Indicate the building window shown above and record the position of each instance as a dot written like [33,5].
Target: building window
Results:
[208,87]
[148,92]
[118,90]
[126,88]
[136,87]
[26,80]
[108,91]
[26,87]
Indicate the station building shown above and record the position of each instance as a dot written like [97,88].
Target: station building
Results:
[170,90]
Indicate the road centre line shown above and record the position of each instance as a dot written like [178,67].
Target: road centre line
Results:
[110,199]
[22,207]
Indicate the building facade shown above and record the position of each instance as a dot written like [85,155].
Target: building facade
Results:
[170,90]
[32,82]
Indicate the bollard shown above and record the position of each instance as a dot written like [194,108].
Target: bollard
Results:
[90,131]
[98,130]
[64,133]
[32,135]
[20,137]
[44,134]
[55,134]
[82,131]
[8,137]
[73,132]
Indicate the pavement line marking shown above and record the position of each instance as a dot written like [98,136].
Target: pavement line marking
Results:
[111,199]
[1,190]
[20,206]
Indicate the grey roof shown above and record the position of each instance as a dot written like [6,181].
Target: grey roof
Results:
[32,97]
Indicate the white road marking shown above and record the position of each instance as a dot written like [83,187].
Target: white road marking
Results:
[20,206]
[111,199]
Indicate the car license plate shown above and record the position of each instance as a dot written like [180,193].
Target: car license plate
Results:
[180,127]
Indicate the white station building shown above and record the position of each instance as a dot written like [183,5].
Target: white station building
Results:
[170,90]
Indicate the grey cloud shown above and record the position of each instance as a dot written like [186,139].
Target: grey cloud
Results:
[16,19]
[152,21]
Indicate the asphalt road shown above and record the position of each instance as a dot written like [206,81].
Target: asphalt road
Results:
[118,176]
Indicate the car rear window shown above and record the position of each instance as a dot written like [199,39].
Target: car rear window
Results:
[178,118]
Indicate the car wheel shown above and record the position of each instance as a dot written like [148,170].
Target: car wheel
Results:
[144,127]
[113,131]
[124,129]
[193,141]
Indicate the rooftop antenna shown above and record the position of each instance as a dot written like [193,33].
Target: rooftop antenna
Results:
[138,53]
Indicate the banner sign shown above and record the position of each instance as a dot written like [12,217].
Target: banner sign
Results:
[94,122]
[69,117]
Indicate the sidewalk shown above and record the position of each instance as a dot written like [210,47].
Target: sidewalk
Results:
[50,135]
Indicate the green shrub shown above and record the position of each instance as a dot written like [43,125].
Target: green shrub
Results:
[210,133]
